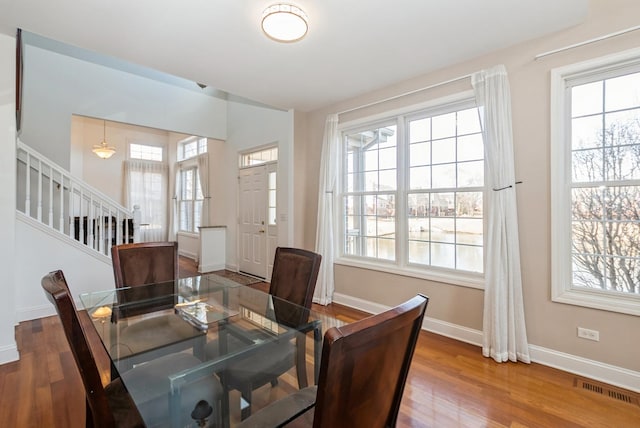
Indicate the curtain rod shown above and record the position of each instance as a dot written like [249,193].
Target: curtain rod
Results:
[435,85]
[587,42]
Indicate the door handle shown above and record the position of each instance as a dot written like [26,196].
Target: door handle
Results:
[261,231]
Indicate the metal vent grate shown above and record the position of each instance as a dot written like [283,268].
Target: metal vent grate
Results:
[606,390]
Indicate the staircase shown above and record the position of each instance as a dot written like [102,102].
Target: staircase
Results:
[68,207]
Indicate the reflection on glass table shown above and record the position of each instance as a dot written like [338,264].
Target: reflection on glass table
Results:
[144,323]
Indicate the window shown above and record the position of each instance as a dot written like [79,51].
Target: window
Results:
[596,184]
[190,194]
[272,190]
[146,185]
[259,157]
[190,200]
[412,191]
[191,147]
[145,152]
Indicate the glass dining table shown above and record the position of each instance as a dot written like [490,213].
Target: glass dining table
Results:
[144,323]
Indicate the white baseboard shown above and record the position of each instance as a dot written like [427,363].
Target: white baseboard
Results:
[188,254]
[211,267]
[613,375]
[9,353]
[607,373]
[34,312]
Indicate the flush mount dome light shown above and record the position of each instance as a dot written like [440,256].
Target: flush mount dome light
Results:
[284,22]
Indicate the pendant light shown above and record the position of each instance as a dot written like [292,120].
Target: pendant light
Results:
[102,150]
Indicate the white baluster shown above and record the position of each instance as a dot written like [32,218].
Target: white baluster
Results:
[50,196]
[39,215]
[62,216]
[27,197]
[137,219]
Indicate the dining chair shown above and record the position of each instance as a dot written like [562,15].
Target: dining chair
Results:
[144,263]
[147,263]
[293,280]
[112,405]
[363,372]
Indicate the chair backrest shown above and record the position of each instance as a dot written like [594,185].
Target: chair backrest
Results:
[364,368]
[293,279]
[144,263]
[57,291]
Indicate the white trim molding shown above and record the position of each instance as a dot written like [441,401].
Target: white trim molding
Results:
[596,370]
[9,353]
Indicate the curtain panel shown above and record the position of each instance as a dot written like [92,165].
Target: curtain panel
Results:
[504,331]
[173,207]
[146,185]
[203,176]
[325,228]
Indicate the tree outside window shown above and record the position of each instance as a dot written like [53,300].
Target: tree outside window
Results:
[413,191]
[605,196]
[595,168]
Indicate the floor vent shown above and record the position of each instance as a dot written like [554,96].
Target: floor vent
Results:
[607,390]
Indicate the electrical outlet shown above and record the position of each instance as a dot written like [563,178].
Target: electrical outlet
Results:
[588,334]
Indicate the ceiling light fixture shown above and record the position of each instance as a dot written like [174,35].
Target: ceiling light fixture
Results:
[284,22]
[102,150]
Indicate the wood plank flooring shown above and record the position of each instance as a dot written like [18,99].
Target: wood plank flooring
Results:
[450,384]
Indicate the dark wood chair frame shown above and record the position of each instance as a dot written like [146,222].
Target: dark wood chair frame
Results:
[144,263]
[99,411]
[363,373]
[111,405]
[291,284]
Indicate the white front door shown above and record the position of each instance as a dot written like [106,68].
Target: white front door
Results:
[253,216]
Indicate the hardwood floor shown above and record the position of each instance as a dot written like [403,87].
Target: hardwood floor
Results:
[450,384]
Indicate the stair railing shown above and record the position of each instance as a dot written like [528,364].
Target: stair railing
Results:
[52,196]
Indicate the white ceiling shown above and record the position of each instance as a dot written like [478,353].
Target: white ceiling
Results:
[352,47]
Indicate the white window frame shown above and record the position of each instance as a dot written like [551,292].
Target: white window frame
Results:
[561,273]
[143,158]
[401,266]
[258,156]
[188,166]
[200,147]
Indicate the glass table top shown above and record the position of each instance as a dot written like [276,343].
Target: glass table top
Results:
[144,323]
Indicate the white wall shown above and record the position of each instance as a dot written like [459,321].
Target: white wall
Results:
[84,272]
[106,174]
[8,349]
[551,326]
[57,86]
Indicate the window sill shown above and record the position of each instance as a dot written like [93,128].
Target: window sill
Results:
[607,301]
[448,277]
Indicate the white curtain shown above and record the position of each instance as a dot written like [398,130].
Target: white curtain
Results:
[146,185]
[326,215]
[505,336]
[173,207]
[203,175]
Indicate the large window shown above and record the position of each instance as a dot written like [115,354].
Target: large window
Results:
[190,200]
[191,147]
[412,191]
[189,191]
[596,153]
